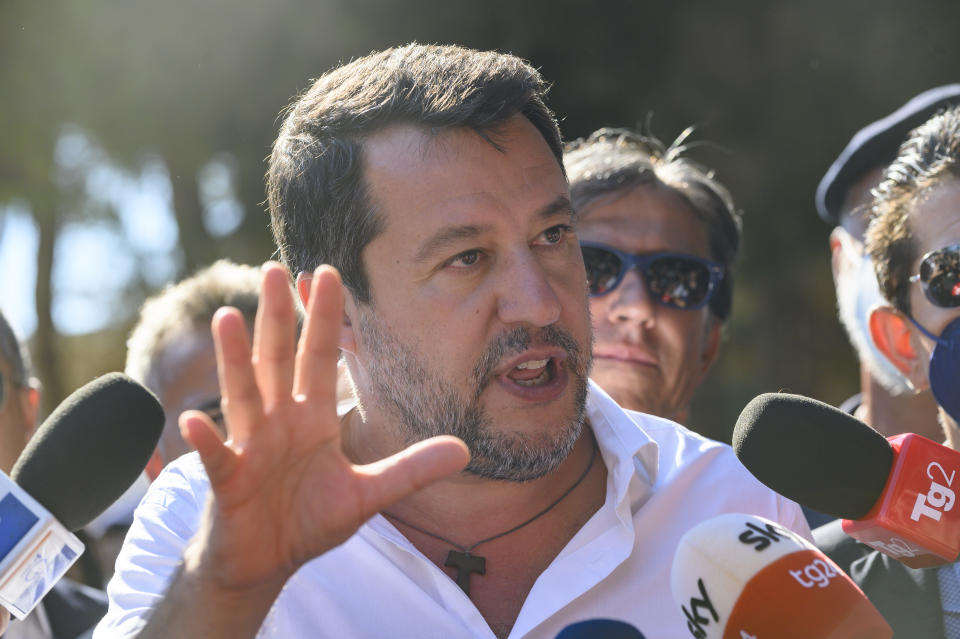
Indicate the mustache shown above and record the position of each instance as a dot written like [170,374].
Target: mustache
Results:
[518,340]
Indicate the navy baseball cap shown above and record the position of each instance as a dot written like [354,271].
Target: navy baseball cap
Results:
[876,145]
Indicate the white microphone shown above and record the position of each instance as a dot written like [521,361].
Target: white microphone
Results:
[36,550]
[739,576]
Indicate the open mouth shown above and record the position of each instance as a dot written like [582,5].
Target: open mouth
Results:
[534,372]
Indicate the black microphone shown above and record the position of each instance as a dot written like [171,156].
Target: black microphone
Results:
[600,629]
[83,457]
[894,495]
[91,448]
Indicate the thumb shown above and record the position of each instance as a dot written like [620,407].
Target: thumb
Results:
[219,460]
[400,475]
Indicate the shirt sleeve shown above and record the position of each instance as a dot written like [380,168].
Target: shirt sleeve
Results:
[163,523]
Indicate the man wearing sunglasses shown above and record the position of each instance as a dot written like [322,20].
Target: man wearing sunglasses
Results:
[913,239]
[659,236]
[843,198]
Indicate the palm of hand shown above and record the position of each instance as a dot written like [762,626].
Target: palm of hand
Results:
[283,490]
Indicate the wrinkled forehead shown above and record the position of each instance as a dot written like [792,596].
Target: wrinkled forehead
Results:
[857,203]
[408,154]
[427,177]
[644,218]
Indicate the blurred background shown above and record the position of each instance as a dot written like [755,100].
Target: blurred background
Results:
[133,136]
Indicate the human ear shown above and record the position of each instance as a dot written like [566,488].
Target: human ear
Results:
[304,279]
[347,340]
[893,335]
[29,407]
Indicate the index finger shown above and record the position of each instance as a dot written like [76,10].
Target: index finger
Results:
[315,374]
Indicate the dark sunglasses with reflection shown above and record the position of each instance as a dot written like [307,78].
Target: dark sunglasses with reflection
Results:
[939,276]
[676,280]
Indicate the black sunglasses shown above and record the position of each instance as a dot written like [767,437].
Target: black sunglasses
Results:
[673,279]
[940,276]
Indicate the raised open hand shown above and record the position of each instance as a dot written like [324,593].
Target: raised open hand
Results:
[284,492]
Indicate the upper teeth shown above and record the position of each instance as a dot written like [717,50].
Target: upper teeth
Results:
[534,363]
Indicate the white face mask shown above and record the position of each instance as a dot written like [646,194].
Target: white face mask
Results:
[857,294]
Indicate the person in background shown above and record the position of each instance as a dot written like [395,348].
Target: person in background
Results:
[659,236]
[170,351]
[885,401]
[913,238]
[70,609]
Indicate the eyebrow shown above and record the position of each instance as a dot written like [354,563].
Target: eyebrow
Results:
[451,234]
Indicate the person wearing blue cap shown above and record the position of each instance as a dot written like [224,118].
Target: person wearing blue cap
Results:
[886,401]
[913,240]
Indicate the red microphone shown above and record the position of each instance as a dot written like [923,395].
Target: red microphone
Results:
[897,496]
[914,519]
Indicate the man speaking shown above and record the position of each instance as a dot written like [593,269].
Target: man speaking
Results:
[481,485]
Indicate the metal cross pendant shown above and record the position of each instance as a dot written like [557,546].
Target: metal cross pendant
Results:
[465,563]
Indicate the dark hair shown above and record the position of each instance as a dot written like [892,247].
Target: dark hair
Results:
[616,160]
[930,154]
[319,205]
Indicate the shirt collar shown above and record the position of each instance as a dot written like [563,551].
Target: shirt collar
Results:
[628,451]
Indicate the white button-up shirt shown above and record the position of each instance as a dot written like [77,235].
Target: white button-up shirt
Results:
[662,480]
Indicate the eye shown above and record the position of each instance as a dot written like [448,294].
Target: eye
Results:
[556,234]
[467,258]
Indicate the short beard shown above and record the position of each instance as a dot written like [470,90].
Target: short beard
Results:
[426,405]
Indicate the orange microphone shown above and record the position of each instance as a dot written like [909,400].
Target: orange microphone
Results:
[739,576]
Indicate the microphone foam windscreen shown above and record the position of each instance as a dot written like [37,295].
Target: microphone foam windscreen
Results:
[90,449]
[813,453]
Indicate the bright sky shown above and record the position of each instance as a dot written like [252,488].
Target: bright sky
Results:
[96,257]
[18,251]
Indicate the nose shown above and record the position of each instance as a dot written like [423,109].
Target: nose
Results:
[527,295]
[630,302]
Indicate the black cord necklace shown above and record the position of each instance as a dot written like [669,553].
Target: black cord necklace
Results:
[467,563]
